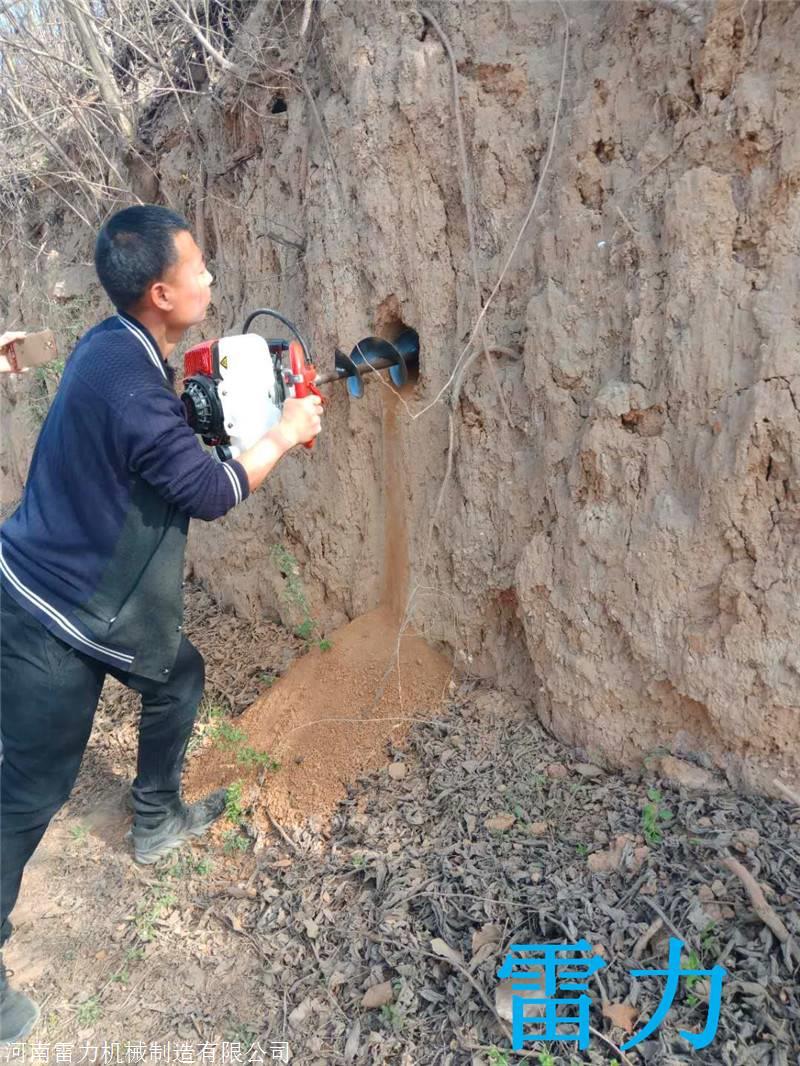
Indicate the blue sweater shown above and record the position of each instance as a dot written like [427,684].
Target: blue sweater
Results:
[95,549]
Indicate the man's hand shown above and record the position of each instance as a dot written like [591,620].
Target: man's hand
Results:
[302,420]
[5,340]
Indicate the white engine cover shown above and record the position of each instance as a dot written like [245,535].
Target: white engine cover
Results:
[247,389]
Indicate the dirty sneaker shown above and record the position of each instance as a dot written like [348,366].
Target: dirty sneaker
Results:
[18,1013]
[149,845]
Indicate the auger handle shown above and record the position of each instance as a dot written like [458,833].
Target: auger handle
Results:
[303,377]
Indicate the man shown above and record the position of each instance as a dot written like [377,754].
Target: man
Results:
[91,562]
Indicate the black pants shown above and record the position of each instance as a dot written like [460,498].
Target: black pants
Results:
[48,696]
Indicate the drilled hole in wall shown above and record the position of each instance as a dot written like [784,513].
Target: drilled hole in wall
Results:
[390,325]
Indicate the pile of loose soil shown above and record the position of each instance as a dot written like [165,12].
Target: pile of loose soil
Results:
[329,719]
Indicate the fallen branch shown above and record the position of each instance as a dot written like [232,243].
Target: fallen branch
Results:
[675,932]
[282,832]
[646,937]
[611,1044]
[767,915]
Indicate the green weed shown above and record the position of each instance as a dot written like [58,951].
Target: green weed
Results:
[89,1012]
[79,833]
[233,842]
[233,803]
[709,941]
[228,735]
[692,963]
[653,814]
[242,1033]
[185,865]
[392,1016]
[149,913]
[251,758]
[294,595]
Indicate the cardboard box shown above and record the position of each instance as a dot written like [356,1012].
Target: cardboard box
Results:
[35,349]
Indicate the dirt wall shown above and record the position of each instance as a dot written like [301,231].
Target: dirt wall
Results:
[618,536]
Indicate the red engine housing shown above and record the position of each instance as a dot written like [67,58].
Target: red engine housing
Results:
[203,358]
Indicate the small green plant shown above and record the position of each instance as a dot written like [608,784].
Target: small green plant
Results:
[392,1016]
[497,1057]
[708,940]
[692,963]
[227,734]
[123,974]
[306,630]
[242,1033]
[151,911]
[208,716]
[653,814]
[185,865]
[79,833]
[266,678]
[250,757]
[546,1059]
[582,850]
[359,861]
[89,1012]
[294,594]
[209,711]
[233,803]
[233,842]
[289,567]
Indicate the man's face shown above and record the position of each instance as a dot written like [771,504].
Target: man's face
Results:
[183,294]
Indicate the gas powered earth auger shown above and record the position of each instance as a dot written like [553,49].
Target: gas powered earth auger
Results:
[235,387]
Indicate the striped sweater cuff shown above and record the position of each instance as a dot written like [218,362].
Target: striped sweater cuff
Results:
[238,478]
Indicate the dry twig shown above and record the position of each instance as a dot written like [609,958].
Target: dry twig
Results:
[764,911]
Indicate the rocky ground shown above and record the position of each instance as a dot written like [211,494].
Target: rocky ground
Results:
[376,938]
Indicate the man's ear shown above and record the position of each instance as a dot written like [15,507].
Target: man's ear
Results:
[160,297]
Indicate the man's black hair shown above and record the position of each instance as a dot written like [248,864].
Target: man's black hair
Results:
[134,248]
